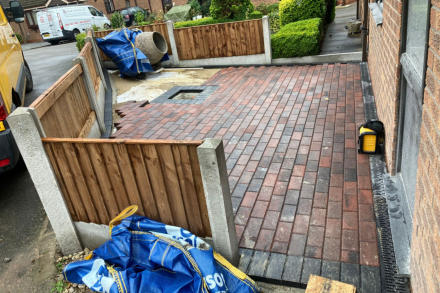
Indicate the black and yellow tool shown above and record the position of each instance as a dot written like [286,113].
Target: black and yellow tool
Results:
[371,137]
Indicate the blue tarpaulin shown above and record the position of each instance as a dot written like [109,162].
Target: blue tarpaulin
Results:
[119,46]
[147,256]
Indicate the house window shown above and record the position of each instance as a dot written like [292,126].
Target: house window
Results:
[31,19]
[109,6]
[127,3]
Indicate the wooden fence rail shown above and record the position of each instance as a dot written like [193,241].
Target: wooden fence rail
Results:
[100,177]
[220,40]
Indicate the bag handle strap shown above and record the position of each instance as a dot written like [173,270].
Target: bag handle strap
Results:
[127,212]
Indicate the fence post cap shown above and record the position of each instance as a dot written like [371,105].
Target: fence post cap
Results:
[211,143]
[265,17]
[19,111]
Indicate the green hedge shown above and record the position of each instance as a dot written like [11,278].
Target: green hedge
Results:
[294,10]
[202,21]
[255,15]
[231,9]
[274,21]
[266,9]
[296,39]
[80,41]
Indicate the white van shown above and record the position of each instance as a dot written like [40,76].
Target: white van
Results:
[65,22]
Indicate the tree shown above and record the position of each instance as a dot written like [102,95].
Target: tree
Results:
[230,9]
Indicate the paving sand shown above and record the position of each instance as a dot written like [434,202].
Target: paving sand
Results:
[157,83]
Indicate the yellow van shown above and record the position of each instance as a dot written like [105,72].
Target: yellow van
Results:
[15,81]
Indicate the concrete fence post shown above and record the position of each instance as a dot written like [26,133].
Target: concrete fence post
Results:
[27,135]
[218,198]
[174,54]
[266,39]
[90,88]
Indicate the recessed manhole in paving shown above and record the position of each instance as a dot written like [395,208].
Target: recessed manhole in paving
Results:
[184,95]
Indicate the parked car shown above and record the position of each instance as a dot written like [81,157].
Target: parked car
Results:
[129,13]
[65,22]
[15,81]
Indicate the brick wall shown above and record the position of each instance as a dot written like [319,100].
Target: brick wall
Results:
[383,63]
[425,252]
[119,4]
[29,35]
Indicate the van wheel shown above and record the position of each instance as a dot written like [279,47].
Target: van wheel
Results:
[28,76]
[75,33]
[107,26]
[54,42]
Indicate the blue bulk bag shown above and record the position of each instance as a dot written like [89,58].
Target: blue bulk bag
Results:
[147,256]
[119,46]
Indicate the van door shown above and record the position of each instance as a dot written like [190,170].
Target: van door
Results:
[49,24]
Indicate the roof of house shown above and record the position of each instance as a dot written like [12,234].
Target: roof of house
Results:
[29,4]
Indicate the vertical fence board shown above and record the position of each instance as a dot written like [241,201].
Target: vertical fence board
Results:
[143,181]
[78,177]
[97,161]
[172,185]
[128,176]
[157,183]
[114,176]
[61,184]
[190,199]
[92,183]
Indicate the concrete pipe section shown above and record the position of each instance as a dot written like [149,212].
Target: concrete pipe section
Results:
[152,44]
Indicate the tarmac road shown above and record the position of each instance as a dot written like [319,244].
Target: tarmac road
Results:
[27,242]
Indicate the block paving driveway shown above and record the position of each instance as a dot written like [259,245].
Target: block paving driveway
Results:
[299,187]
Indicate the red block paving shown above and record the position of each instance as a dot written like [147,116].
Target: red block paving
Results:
[298,185]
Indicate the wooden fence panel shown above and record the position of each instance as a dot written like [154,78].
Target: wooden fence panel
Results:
[99,178]
[220,40]
[64,108]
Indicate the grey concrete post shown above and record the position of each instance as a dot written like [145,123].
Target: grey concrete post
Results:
[218,198]
[90,88]
[27,137]
[174,53]
[266,39]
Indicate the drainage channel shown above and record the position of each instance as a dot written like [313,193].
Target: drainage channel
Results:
[391,280]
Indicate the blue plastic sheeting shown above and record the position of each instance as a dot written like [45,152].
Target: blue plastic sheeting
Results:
[119,46]
[148,256]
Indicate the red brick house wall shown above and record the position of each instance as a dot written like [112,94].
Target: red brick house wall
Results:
[383,63]
[425,250]
[30,35]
